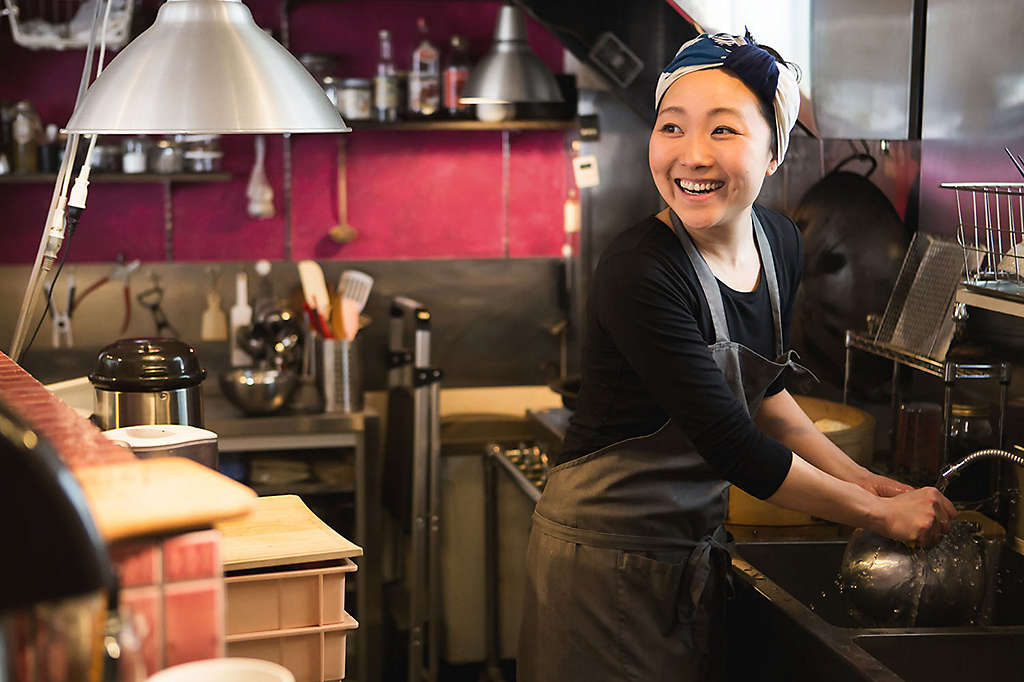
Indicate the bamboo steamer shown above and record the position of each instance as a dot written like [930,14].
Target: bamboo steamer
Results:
[857,441]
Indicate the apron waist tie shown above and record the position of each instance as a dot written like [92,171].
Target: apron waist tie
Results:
[699,566]
[701,562]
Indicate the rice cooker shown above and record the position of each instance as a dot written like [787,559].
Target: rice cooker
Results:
[147,381]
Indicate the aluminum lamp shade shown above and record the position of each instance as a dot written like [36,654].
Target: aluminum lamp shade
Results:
[510,72]
[205,67]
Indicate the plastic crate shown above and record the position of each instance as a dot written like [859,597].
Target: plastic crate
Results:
[314,654]
[292,617]
[285,600]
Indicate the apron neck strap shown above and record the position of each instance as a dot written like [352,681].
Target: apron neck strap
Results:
[709,283]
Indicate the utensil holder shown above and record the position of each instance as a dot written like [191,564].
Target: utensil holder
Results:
[339,374]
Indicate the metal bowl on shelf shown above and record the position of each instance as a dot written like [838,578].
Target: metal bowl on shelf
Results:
[258,391]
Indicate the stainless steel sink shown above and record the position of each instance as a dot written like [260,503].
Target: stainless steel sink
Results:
[796,624]
[965,655]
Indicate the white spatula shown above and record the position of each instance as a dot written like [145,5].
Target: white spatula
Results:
[355,286]
[314,287]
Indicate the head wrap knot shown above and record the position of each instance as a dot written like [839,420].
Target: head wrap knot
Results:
[756,67]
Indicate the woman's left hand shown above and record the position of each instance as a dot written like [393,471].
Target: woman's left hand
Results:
[880,485]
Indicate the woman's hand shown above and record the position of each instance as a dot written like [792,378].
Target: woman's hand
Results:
[922,516]
[880,485]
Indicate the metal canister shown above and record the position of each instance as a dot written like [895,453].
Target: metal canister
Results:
[147,381]
[355,99]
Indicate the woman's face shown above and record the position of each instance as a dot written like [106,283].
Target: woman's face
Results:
[710,149]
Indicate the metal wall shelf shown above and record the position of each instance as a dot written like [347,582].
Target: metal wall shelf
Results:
[922,363]
[467,124]
[124,178]
[977,297]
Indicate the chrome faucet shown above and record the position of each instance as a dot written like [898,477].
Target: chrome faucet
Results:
[951,472]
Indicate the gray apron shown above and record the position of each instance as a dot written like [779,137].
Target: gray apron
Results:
[628,559]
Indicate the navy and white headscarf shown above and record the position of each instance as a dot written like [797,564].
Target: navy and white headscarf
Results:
[756,67]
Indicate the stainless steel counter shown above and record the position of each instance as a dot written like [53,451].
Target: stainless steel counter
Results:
[280,431]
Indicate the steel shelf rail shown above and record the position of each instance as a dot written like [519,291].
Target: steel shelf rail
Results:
[949,371]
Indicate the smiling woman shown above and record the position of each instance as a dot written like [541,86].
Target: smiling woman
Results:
[683,393]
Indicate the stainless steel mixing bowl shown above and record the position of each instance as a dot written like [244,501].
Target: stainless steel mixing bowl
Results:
[892,585]
[258,391]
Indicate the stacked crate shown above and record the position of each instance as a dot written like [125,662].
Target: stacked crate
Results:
[285,584]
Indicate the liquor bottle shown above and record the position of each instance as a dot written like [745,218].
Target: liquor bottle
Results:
[26,130]
[425,75]
[385,82]
[455,74]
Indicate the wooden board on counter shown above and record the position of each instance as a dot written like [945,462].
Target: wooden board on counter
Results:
[160,495]
[279,531]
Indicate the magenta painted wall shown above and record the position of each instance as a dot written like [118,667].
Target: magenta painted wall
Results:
[412,194]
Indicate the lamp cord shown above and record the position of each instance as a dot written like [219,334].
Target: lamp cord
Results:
[73,218]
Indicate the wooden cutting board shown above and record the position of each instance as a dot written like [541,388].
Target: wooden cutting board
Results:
[159,495]
[280,530]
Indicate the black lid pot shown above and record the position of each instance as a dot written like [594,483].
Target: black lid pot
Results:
[147,365]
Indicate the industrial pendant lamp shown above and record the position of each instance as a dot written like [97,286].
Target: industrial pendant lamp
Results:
[205,67]
[510,72]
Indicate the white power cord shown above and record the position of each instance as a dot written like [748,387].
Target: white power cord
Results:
[58,217]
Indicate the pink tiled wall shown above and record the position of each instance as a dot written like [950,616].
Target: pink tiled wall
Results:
[174,592]
[422,194]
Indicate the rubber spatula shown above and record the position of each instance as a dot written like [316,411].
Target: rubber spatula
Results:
[215,322]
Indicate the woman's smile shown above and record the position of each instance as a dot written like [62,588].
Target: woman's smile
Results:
[698,188]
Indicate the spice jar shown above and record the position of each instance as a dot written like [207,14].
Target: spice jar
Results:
[355,99]
[202,153]
[165,156]
[133,155]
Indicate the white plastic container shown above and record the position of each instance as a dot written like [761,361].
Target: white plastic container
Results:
[225,670]
[241,315]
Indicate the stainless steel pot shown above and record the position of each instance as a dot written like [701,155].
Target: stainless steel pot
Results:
[147,381]
[892,585]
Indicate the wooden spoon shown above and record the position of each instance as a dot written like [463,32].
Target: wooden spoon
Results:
[342,233]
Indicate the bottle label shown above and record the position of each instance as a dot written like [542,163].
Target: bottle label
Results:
[385,92]
[454,80]
[424,94]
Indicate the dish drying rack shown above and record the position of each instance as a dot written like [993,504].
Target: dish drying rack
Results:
[65,24]
[990,231]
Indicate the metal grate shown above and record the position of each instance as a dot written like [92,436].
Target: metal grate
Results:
[919,315]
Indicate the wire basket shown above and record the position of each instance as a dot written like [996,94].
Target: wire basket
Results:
[990,228]
[65,24]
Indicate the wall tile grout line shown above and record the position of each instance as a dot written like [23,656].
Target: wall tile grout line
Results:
[506,188]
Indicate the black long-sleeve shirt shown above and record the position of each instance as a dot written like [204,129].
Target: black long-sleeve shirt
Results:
[646,357]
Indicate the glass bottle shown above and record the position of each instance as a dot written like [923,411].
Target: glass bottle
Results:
[456,72]
[425,75]
[25,132]
[385,82]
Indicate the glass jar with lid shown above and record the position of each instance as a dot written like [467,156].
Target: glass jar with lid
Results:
[355,99]
[972,428]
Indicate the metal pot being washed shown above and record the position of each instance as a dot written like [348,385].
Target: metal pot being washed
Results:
[892,585]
